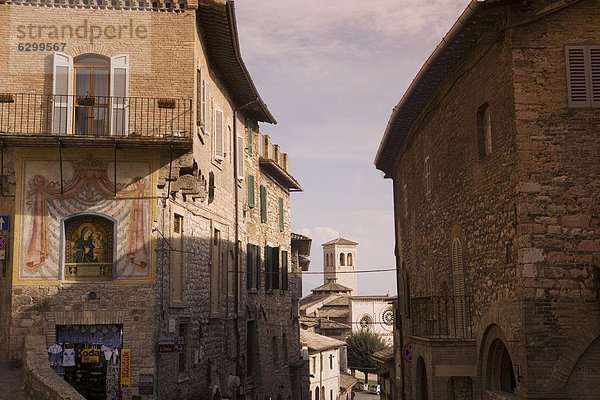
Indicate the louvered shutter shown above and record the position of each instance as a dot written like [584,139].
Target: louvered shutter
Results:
[281,221]
[249,138]
[284,270]
[595,75]
[218,135]
[199,105]
[577,77]
[275,269]
[62,109]
[263,204]
[240,158]
[119,88]
[205,107]
[251,196]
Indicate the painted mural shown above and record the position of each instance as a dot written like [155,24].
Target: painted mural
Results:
[80,230]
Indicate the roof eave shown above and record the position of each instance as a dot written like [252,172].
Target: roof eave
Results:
[384,163]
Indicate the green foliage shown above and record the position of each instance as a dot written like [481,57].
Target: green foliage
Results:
[361,346]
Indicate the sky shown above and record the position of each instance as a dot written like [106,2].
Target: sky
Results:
[331,72]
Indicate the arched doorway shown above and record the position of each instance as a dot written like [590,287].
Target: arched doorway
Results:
[422,387]
[500,369]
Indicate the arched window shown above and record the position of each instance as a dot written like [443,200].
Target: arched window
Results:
[365,322]
[458,286]
[89,244]
[317,393]
[349,259]
[500,369]
[342,259]
[427,175]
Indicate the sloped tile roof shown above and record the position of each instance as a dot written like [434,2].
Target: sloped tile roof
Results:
[340,241]
[317,342]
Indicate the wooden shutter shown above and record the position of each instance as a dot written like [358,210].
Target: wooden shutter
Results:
[199,105]
[206,107]
[249,138]
[281,221]
[62,110]
[577,76]
[595,75]
[119,89]
[268,268]
[240,158]
[249,266]
[218,135]
[284,270]
[251,194]
[275,268]
[263,204]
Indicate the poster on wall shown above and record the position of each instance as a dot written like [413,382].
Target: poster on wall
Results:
[126,368]
[81,230]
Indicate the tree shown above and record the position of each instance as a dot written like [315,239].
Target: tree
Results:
[361,346]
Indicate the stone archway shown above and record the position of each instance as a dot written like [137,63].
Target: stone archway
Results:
[496,362]
[422,384]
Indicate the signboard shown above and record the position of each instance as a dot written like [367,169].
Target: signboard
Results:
[407,353]
[170,344]
[4,223]
[126,368]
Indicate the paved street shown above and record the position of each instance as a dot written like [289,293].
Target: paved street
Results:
[11,382]
[365,396]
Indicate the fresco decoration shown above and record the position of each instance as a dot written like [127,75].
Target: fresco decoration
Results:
[88,248]
[88,187]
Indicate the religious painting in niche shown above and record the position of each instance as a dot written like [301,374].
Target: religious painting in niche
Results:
[88,248]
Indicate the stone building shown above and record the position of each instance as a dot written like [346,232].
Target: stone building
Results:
[143,210]
[493,155]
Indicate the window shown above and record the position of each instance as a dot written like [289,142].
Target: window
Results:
[252,265]
[263,204]
[215,281]
[427,175]
[240,158]
[89,244]
[249,138]
[272,267]
[313,365]
[218,138]
[365,322]
[331,394]
[182,358]
[176,275]
[342,259]
[331,361]
[199,98]
[583,76]
[284,271]
[484,130]
[281,219]
[458,282]
[251,192]
[349,259]
[90,94]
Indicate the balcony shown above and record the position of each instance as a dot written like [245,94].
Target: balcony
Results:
[442,317]
[144,122]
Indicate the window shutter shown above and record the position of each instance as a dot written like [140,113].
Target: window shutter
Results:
[275,268]
[284,270]
[263,204]
[119,88]
[251,197]
[577,77]
[218,135]
[257,265]
[199,104]
[205,107]
[240,158]
[281,222]
[61,89]
[268,268]
[595,75]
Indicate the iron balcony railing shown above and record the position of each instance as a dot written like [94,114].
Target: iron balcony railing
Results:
[64,115]
[442,317]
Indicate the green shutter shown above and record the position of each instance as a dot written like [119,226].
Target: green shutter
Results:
[251,199]
[263,204]
[281,215]
[284,270]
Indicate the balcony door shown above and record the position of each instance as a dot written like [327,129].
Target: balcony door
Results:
[90,95]
[92,84]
